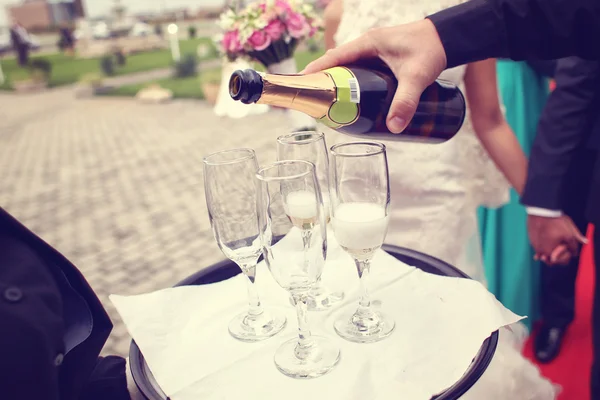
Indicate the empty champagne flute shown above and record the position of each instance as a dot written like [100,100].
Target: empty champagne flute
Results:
[294,235]
[311,146]
[231,200]
[360,199]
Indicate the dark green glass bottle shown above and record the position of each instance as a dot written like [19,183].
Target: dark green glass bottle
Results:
[355,100]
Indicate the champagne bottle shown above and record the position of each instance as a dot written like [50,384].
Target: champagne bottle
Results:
[355,100]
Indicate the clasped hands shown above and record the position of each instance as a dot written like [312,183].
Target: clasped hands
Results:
[555,240]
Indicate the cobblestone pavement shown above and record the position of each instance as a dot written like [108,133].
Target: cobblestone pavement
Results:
[116,186]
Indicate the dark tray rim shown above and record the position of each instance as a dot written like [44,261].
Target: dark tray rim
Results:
[477,368]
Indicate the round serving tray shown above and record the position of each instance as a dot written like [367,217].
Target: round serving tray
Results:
[227,269]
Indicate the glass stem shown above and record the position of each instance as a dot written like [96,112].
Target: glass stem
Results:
[254,306]
[317,286]
[306,238]
[318,289]
[364,302]
[305,342]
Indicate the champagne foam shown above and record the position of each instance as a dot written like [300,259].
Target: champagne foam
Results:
[360,225]
[301,204]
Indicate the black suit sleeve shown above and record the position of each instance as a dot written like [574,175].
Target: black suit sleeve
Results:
[545,68]
[519,29]
[31,324]
[564,126]
[108,381]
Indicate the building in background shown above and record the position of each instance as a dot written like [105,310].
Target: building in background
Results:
[43,15]
[79,8]
[209,13]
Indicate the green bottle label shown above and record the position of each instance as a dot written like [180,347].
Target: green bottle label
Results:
[346,108]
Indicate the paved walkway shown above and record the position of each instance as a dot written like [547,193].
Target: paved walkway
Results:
[116,186]
[155,74]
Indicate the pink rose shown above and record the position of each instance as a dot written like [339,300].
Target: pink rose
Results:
[297,25]
[231,42]
[275,29]
[282,6]
[259,40]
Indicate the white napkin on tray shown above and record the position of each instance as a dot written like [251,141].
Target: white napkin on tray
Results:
[441,323]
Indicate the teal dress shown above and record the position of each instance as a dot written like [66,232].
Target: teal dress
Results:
[511,272]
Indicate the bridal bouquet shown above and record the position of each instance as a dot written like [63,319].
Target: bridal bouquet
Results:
[268,30]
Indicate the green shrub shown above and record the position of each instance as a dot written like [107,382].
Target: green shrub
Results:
[192,31]
[313,46]
[41,64]
[120,57]
[40,69]
[186,67]
[107,65]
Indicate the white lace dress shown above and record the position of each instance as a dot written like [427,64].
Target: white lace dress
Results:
[436,190]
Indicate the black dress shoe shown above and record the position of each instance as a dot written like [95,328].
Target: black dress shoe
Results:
[548,342]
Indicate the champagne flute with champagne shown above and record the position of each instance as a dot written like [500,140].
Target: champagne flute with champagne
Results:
[294,238]
[310,146]
[360,200]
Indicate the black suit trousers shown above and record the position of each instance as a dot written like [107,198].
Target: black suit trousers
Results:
[558,282]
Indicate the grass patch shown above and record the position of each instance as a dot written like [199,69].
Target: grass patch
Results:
[67,70]
[303,58]
[5,86]
[190,88]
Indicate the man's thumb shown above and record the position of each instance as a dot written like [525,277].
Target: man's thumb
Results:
[580,236]
[404,104]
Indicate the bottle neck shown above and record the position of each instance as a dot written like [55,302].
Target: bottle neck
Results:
[311,94]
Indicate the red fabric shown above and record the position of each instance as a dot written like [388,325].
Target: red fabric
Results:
[571,369]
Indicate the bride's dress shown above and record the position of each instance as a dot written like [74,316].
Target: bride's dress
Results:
[436,190]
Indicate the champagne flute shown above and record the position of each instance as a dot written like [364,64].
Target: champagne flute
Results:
[294,235]
[310,146]
[360,199]
[231,199]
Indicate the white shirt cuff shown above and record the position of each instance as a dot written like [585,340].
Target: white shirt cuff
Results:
[543,212]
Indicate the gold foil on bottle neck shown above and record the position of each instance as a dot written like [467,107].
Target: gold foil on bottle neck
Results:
[311,94]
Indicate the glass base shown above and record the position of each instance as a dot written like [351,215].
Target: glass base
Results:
[371,326]
[248,328]
[321,299]
[316,361]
